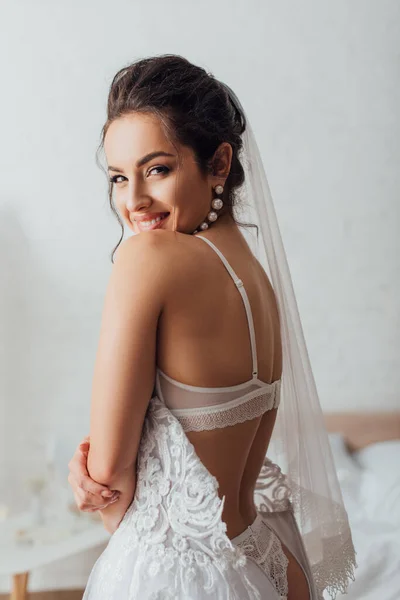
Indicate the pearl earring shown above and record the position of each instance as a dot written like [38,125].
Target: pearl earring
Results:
[212,215]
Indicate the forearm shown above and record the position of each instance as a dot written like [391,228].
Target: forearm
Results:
[125,483]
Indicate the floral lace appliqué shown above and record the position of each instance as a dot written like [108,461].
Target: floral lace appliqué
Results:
[172,540]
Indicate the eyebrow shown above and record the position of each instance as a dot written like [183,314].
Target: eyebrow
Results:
[142,161]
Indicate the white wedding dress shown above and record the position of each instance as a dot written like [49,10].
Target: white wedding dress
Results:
[171,543]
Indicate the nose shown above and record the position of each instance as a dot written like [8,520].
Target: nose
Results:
[135,200]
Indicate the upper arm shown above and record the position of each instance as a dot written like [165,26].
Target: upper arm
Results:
[125,364]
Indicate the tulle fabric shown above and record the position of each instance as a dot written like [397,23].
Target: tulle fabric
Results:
[300,443]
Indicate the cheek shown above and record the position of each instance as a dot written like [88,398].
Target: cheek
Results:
[119,204]
[122,211]
[189,194]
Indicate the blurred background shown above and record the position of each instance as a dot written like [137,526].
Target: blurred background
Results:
[321,84]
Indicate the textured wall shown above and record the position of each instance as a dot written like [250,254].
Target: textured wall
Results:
[320,81]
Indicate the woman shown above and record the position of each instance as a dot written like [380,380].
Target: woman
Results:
[187,381]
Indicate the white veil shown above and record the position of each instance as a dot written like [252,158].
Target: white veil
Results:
[306,476]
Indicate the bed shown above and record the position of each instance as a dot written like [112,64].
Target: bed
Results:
[366,450]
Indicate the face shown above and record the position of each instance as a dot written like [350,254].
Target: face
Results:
[150,179]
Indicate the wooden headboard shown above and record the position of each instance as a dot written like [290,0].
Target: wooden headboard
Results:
[361,429]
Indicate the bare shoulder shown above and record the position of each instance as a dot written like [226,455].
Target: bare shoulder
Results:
[161,245]
[160,255]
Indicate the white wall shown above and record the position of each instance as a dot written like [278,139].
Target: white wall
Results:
[320,81]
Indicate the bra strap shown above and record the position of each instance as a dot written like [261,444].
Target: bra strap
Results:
[240,286]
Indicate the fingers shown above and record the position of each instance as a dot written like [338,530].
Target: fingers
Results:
[89,495]
[98,491]
[87,501]
[84,445]
[82,502]
[78,478]
[78,469]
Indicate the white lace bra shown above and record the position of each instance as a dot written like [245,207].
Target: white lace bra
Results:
[199,408]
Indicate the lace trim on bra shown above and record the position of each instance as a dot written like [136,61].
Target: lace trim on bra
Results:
[252,405]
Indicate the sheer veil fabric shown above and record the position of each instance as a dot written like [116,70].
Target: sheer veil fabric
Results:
[305,479]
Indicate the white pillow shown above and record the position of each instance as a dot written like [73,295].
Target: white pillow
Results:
[382,457]
[380,486]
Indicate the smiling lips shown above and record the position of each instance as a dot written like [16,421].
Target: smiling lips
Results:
[147,222]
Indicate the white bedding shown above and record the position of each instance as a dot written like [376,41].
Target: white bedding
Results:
[370,482]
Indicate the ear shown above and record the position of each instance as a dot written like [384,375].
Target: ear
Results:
[221,162]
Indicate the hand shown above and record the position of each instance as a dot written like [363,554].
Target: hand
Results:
[89,495]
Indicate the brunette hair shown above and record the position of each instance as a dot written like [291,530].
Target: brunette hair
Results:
[194,109]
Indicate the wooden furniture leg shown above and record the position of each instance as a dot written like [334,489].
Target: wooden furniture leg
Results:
[20,586]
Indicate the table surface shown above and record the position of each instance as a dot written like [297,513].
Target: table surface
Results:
[60,537]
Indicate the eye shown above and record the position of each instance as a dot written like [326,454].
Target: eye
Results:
[165,169]
[114,179]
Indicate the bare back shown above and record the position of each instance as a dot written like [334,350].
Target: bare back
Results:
[203,340]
